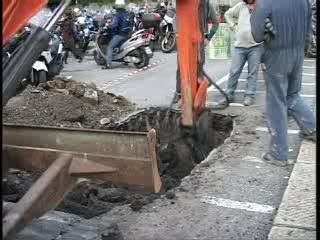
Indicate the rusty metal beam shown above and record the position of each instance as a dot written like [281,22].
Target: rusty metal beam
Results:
[43,195]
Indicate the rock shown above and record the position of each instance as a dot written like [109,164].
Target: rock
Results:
[104,121]
[75,117]
[56,84]
[112,232]
[112,195]
[170,195]
[138,204]
[92,85]
[79,91]
[64,91]
[91,95]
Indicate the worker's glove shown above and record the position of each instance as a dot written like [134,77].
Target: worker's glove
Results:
[269,31]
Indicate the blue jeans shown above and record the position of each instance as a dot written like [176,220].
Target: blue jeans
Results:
[116,41]
[283,78]
[239,58]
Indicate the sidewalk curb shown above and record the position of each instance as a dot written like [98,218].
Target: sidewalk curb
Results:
[296,216]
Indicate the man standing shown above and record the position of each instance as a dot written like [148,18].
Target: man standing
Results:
[283,59]
[69,34]
[245,49]
[208,15]
[121,27]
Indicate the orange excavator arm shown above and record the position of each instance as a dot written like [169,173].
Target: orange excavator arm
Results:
[16,14]
[190,38]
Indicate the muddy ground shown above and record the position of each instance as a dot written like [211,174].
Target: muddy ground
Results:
[179,151]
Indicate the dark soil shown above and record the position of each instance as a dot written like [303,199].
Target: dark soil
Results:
[179,149]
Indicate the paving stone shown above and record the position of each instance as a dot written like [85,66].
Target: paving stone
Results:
[298,207]
[285,233]
[307,153]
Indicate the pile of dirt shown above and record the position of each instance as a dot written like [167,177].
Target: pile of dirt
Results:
[66,103]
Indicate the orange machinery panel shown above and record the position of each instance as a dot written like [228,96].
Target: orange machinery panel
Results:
[16,14]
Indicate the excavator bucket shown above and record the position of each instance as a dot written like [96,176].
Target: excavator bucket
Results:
[16,14]
[65,156]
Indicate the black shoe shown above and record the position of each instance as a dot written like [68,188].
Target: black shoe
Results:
[309,137]
[80,59]
[268,158]
[108,66]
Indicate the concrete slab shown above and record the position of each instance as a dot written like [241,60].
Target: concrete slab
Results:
[285,233]
[307,153]
[298,207]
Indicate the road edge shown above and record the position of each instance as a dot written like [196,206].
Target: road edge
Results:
[296,216]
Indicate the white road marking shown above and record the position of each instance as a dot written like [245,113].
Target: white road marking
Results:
[228,203]
[231,104]
[290,131]
[309,60]
[252,159]
[222,80]
[309,74]
[309,67]
[308,96]
[262,81]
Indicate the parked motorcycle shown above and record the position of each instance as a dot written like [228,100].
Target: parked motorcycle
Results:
[168,42]
[135,50]
[151,22]
[50,62]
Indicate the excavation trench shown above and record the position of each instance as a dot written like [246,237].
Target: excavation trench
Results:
[179,151]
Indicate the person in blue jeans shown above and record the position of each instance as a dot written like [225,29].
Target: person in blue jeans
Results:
[121,27]
[283,59]
[246,49]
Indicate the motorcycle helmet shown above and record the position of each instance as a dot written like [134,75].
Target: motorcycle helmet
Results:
[120,5]
[76,12]
[162,4]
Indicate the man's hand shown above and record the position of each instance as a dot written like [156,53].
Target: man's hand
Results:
[206,42]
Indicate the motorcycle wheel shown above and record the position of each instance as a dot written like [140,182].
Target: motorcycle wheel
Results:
[170,45]
[144,59]
[98,58]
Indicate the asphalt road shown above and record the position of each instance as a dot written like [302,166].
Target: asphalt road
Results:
[153,86]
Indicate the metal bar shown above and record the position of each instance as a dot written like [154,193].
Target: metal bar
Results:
[56,15]
[43,195]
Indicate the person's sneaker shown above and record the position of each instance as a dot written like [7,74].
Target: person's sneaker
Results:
[266,157]
[108,66]
[309,137]
[248,101]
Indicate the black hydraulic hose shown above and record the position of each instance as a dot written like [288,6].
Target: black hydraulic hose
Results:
[222,106]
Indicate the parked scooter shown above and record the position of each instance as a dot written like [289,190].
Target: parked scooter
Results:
[168,42]
[135,50]
[50,62]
